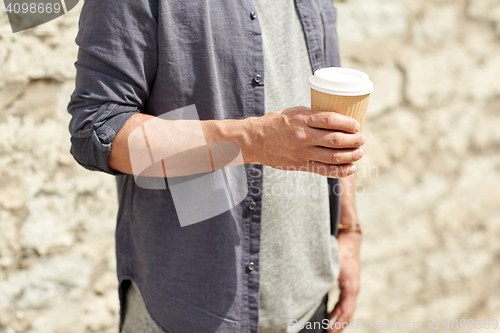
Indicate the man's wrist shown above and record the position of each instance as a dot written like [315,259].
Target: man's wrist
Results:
[349,227]
[242,132]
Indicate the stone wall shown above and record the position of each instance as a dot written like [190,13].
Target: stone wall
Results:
[430,210]
[57,261]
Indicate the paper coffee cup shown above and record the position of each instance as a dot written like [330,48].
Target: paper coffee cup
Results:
[342,90]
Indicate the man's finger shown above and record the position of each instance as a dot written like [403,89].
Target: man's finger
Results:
[335,156]
[332,316]
[332,121]
[338,139]
[342,322]
[335,313]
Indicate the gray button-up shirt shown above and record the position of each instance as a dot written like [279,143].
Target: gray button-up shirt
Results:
[154,56]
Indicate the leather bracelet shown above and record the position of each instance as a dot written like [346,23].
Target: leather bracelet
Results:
[349,228]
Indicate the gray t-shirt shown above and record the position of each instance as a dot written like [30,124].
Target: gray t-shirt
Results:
[298,257]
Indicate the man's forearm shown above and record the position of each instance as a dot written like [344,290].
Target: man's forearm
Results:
[178,136]
[348,213]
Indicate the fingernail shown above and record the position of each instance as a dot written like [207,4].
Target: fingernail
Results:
[352,169]
[356,127]
[362,139]
[360,152]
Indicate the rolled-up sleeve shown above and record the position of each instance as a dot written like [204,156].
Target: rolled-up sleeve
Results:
[116,66]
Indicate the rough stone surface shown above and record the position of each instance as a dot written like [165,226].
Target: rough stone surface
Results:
[429,184]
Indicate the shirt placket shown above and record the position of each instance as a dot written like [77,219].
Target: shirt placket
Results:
[253,203]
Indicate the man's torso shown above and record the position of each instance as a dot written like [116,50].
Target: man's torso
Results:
[160,56]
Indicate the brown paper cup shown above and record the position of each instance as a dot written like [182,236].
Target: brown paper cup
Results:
[342,90]
[352,106]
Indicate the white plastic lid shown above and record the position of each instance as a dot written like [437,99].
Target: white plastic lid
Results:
[341,81]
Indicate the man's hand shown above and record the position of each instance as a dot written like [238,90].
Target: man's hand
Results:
[349,281]
[304,140]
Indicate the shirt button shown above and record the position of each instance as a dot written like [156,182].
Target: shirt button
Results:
[252,205]
[257,78]
[253,15]
[251,266]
